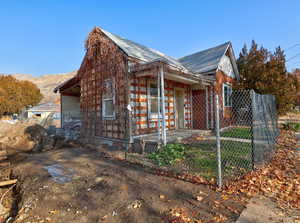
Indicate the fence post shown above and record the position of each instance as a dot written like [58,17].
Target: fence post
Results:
[252,96]
[217,128]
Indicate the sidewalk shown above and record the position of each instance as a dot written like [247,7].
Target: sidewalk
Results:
[263,210]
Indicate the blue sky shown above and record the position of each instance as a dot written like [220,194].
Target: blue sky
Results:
[43,37]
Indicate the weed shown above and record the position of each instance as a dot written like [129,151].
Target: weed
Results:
[168,154]
[293,126]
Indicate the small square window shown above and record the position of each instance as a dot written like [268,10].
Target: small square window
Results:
[108,108]
[227,92]
[108,99]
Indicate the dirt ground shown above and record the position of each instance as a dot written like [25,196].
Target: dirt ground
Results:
[69,182]
[291,116]
[85,185]
[17,141]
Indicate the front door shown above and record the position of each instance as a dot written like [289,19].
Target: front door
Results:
[179,100]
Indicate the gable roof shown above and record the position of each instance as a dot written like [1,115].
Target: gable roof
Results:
[141,52]
[206,60]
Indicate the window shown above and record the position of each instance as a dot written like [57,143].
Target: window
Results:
[153,99]
[108,106]
[227,91]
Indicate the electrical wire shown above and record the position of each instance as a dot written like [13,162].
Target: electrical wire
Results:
[293,57]
[294,63]
[291,47]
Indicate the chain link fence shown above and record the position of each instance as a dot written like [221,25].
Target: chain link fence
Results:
[232,133]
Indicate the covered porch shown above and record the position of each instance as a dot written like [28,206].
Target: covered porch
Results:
[70,107]
[162,102]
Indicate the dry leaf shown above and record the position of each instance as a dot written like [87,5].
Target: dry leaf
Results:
[199,198]
[162,196]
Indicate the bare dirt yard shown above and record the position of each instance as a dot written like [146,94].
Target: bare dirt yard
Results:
[85,185]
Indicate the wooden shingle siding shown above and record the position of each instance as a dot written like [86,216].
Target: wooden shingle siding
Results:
[103,60]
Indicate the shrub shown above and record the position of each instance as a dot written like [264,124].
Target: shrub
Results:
[293,126]
[168,154]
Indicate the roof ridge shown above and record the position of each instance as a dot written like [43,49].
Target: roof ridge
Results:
[156,54]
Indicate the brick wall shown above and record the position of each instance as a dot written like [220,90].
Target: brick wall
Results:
[225,114]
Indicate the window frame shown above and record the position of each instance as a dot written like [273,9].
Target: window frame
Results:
[229,86]
[112,98]
[150,97]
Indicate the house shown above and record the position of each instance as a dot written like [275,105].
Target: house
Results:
[42,111]
[117,89]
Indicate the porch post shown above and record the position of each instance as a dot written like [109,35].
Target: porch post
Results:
[164,135]
[206,106]
[158,106]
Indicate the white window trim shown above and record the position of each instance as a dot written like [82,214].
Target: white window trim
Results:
[223,92]
[113,116]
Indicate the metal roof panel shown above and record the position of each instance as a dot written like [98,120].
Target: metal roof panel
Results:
[206,60]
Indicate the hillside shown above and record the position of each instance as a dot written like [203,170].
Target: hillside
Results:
[47,83]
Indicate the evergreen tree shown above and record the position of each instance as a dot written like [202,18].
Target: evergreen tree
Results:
[265,72]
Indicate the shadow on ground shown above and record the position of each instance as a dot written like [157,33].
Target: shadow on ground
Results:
[75,184]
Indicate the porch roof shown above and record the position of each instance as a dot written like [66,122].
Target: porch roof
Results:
[67,84]
[45,107]
[171,72]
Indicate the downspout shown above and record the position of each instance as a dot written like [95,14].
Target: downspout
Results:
[164,135]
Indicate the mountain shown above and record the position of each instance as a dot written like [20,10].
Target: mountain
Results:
[47,83]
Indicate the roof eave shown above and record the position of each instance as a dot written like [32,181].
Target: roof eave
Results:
[140,67]
[71,82]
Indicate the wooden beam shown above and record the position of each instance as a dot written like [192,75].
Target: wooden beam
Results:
[8,182]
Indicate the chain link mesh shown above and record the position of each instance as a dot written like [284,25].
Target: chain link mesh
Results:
[247,129]
[236,134]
